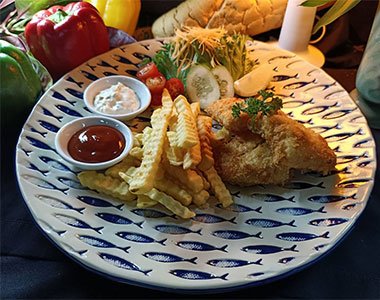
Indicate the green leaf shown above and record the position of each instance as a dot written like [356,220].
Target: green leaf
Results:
[339,8]
[28,8]
[313,3]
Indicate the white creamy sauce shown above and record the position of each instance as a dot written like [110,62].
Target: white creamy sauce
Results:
[117,99]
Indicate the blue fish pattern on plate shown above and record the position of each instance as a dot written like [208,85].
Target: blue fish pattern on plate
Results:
[122,263]
[168,257]
[139,238]
[225,239]
[196,275]
[116,219]
[100,243]
[267,249]
[232,263]
[268,223]
[235,234]
[176,229]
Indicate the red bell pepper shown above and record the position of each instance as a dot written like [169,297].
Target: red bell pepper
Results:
[63,37]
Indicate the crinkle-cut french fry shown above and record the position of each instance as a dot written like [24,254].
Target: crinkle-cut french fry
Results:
[186,129]
[122,166]
[144,179]
[201,198]
[195,108]
[172,138]
[147,131]
[137,153]
[204,125]
[192,157]
[106,184]
[173,120]
[144,201]
[218,187]
[188,178]
[173,154]
[170,203]
[174,190]
[137,139]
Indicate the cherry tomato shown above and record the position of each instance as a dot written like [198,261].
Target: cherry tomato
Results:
[175,87]
[156,84]
[148,70]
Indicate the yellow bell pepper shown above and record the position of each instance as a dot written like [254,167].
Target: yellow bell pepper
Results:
[120,14]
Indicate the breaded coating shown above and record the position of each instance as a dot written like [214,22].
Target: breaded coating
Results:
[268,151]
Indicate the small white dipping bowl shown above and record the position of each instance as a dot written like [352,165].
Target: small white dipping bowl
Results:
[64,135]
[103,83]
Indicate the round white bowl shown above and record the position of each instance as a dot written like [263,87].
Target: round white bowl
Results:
[63,136]
[103,83]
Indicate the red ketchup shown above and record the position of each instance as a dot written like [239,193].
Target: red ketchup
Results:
[95,144]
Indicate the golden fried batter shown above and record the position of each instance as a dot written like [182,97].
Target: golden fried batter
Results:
[268,151]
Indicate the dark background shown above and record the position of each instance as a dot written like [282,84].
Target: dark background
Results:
[32,267]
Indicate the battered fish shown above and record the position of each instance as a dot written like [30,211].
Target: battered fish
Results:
[268,151]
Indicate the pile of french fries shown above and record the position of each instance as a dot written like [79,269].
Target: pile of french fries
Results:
[171,163]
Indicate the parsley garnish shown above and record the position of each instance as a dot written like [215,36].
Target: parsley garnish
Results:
[268,105]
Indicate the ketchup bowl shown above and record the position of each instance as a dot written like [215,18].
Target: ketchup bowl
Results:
[94,143]
[118,96]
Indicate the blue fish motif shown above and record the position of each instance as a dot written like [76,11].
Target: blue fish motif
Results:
[37,143]
[71,249]
[68,111]
[300,236]
[267,249]
[330,198]
[131,72]
[302,185]
[58,203]
[98,202]
[256,274]
[345,170]
[151,213]
[74,93]
[116,219]
[35,168]
[363,144]
[341,136]
[89,75]
[168,257]
[286,260]
[74,222]
[175,229]
[298,85]
[280,57]
[268,223]
[328,222]
[232,263]
[235,235]
[271,197]
[196,275]
[337,114]
[349,158]
[208,218]
[59,96]
[107,65]
[139,238]
[55,164]
[319,247]
[123,60]
[100,243]
[122,263]
[43,183]
[299,211]
[353,183]
[91,67]
[364,164]
[47,227]
[296,103]
[239,208]
[71,183]
[277,78]
[350,206]
[48,126]
[141,56]
[78,83]
[48,113]
[317,109]
[322,129]
[43,134]
[199,246]
[109,74]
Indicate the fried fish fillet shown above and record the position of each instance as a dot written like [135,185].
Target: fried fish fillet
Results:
[268,151]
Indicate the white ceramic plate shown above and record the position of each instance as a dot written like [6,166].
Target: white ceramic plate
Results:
[259,239]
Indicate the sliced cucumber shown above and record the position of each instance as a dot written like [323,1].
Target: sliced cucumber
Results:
[225,81]
[201,86]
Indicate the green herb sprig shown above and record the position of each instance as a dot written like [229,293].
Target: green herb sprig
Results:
[267,105]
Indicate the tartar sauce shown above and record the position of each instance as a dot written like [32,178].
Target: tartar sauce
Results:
[117,99]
